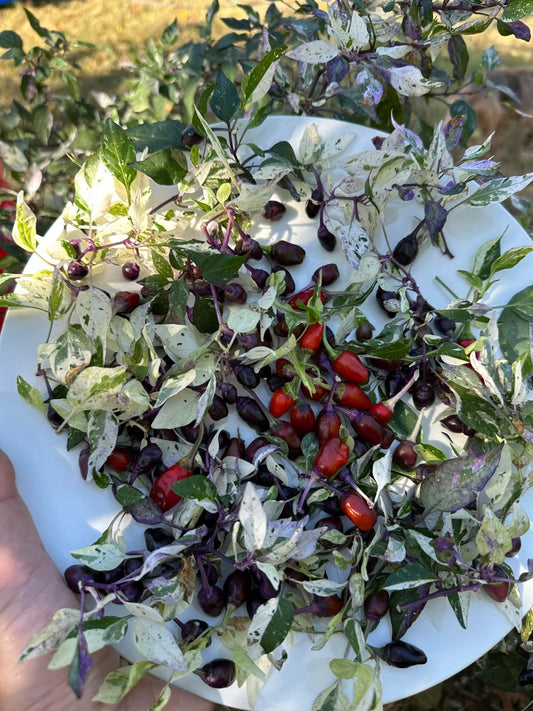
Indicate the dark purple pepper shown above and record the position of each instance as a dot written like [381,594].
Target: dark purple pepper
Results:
[76,575]
[376,605]
[363,332]
[274,210]
[249,411]
[190,137]
[259,276]
[327,239]
[157,538]
[236,588]
[192,629]
[423,394]
[235,294]
[312,208]
[402,654]
[131,271]
[147,458]
[210,598]
[249,246]
[228,392]
[218,408]
[245,375]
[328,272]
[406,250]
[77,270]
[218,673]
[286,253]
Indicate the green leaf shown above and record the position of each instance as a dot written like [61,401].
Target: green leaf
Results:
[257,81]
[165,167]
[162,699]
[509,259]
[101,557]
[456,482]
[119,682]
[197,487]
[170,34]
[156,136]
[343,668]
[118,153]
[499,189]
[476,412]
[127,495]
[245,662]
[485,256]
[42,120]
[178,295]
[216,268]
[514,328]
[517,9]
[36,25]
[30,394]
[225,101]
[458,52]
[204,315]
[490,59]
[332,699]
[10,40]
[410,576]
[459,603]
[162,266]
[278,627]
[25,227]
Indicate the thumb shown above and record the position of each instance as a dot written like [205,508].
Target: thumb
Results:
[8,488]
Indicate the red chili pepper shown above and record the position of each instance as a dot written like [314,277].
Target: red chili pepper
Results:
[286,432]
[303,418]
[319,394]
[119,459]
[465,342]
[284,368]
[381,412]
[161,492]
[353,396]
[311,339]
[304,297]
[359,511]
[350,367]
[331,457]
[327,426]
[125,301]
[280,402]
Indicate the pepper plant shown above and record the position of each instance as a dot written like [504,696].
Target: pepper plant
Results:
[257,420]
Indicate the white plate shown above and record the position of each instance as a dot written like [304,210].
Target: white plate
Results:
[70,513]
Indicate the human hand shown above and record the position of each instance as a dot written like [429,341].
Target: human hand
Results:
[31,591]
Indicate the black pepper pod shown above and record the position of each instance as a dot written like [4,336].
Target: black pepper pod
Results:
[406,250]
[218,673]
[401,654]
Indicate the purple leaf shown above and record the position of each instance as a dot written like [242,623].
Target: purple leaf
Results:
[456,482]
[414,601]
[336,69]
[453,130]
[145,511]
[435,216]
[80,666]
[519,29]
[405,194]
[373,89]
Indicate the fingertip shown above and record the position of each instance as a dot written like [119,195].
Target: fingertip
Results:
[8,488]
